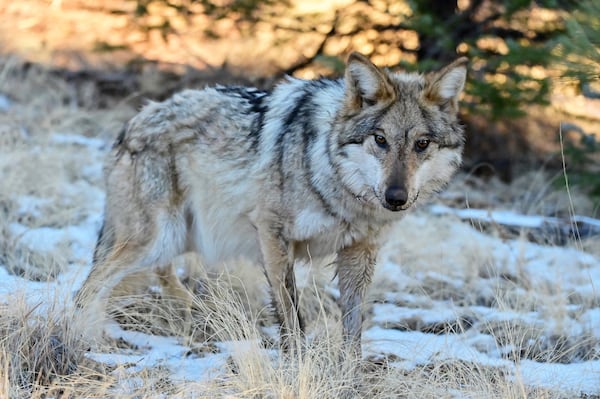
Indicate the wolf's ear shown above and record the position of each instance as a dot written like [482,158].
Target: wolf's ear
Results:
[445,86]
[366,85]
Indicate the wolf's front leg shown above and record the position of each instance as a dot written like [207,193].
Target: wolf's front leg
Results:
[278,263]
[355,270]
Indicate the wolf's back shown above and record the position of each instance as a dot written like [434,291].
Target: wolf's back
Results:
[220,116]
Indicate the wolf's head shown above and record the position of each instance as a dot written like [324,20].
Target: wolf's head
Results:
[398,136]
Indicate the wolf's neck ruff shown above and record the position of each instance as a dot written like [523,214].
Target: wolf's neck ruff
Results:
[310,169]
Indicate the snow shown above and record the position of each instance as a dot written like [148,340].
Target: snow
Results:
[89,142]
[418,349]
[42,239]
[29,204]
[163,351]
[575,378]
[81,237]
[5,103]
[502,217]
[390,313]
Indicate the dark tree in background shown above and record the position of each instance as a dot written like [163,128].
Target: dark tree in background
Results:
[510,44]
[579,54]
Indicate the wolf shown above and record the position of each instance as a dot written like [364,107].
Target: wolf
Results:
[310,169]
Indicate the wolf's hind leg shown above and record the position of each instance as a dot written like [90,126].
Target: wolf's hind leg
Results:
[131,251]
[175,291]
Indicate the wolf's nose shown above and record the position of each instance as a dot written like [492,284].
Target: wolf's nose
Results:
[396,196]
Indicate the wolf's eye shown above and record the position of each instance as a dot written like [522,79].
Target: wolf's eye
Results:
[380,140]
[422,144]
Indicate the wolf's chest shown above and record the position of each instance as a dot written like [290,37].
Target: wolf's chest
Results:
[317,234]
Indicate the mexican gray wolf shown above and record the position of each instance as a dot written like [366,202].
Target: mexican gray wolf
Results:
[309,169]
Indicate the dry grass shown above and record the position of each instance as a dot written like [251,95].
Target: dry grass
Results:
[45,358]
[42,350]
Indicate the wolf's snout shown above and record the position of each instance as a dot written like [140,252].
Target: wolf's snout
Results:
[396,196]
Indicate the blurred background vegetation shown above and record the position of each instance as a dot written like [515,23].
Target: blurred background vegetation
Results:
[533,91]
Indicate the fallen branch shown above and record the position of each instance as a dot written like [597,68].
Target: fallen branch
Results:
[575,227]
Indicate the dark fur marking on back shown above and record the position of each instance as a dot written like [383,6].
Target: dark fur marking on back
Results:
[308,143]
[260,108]
[298,128]
[286,128]
[257,105]
[101,237]
[303,112]
[120,140]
